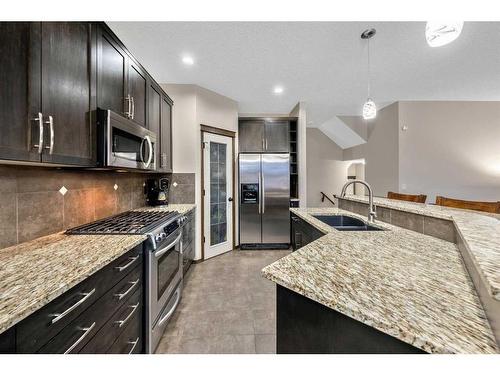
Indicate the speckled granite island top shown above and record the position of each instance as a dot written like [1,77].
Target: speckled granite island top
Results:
[480,231]
[180,208]
[408,285]
[34,273]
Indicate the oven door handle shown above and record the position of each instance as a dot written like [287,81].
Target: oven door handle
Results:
[165,317]
[163,251]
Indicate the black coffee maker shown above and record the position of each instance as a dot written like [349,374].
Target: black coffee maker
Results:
[156,190]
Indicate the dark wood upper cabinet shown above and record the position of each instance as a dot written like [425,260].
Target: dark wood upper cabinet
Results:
[112,63]
[154,116]
[166,164]
[137,89]
[68,84]
[54,75]
[19,90]
[251,136]
[276,139]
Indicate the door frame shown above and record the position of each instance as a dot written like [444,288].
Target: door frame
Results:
[232,135]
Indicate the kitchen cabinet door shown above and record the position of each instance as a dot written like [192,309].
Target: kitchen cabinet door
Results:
[251,136]
[166,135]
[276,137]
[68,92]
[112,65]
[137,89]
[19,90]
[154,116]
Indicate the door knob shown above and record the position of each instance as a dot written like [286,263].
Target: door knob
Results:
[230,199]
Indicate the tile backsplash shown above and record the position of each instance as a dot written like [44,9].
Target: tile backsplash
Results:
[31,204]
[184,191]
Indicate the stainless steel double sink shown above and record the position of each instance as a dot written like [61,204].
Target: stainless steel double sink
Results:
[346,223]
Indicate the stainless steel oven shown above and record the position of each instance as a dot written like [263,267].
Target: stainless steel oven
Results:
[164,274]
[124,144]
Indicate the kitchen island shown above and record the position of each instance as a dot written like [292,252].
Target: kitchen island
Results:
[384,285]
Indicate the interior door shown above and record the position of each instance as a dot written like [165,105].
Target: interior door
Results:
[20,90]
[251,136]
[137,89]
[275,198]
[276,139]
[218,187]
[68,84]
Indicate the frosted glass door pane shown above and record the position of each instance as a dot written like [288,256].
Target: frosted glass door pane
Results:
[218,202]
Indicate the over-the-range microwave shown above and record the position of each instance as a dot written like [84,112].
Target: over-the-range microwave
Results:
[121,143]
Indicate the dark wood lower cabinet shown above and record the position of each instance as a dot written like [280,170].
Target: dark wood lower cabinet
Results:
[307,327]
[89,318]
[302,233]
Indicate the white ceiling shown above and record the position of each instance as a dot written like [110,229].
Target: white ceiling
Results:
[320,63]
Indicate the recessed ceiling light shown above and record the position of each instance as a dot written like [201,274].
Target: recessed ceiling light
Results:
[188,60]
[278,90]
[438,34]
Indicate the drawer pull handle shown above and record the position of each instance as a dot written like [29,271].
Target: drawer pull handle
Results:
[134,344]
[124,294]
[122,322]
[132,260]
[86,296]
[86,331]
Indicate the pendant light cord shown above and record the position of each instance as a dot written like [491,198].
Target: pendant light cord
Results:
[369,75]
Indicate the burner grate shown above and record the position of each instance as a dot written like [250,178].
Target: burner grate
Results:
[130,222]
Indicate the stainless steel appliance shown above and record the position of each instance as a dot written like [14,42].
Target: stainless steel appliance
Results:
[264,200]
[156,190]
[124,144]
[163,260]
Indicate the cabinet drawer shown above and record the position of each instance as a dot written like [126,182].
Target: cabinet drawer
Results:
[130,340]
[76,334]
[37,329]
[118,323]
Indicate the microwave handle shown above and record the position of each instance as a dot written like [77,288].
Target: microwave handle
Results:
[150,156]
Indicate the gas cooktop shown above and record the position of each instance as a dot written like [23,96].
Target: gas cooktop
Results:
[130,222]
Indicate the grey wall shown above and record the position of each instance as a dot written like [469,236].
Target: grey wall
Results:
[450,149]
[381,152]
[326,171]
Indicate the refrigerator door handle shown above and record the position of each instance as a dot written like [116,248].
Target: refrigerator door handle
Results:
[260,191]
[263,195]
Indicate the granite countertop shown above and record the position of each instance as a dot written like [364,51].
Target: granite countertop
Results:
[480,231]
[34,273]
[406,284]
[180,208]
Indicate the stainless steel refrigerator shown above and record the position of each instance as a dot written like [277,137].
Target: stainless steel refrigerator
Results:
[264,201]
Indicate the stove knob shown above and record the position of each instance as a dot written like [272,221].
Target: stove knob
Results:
[158,238]
[163,236]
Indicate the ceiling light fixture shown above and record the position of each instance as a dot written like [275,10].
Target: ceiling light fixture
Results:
[369,108]
[278,90]
[188,60]
[438,34]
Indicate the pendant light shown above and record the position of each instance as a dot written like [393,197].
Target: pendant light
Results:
[369,108]
[438,34]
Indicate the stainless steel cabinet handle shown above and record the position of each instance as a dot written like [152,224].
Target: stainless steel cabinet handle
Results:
[134,344]
[133,108]
[163,251]
[125,293]
[165,317]
[123,268]
[128,100]
[86,331]
[266,144]
[295,219]
[39,118]
[51,126]
[263,147]
[122,322]
[86,296]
